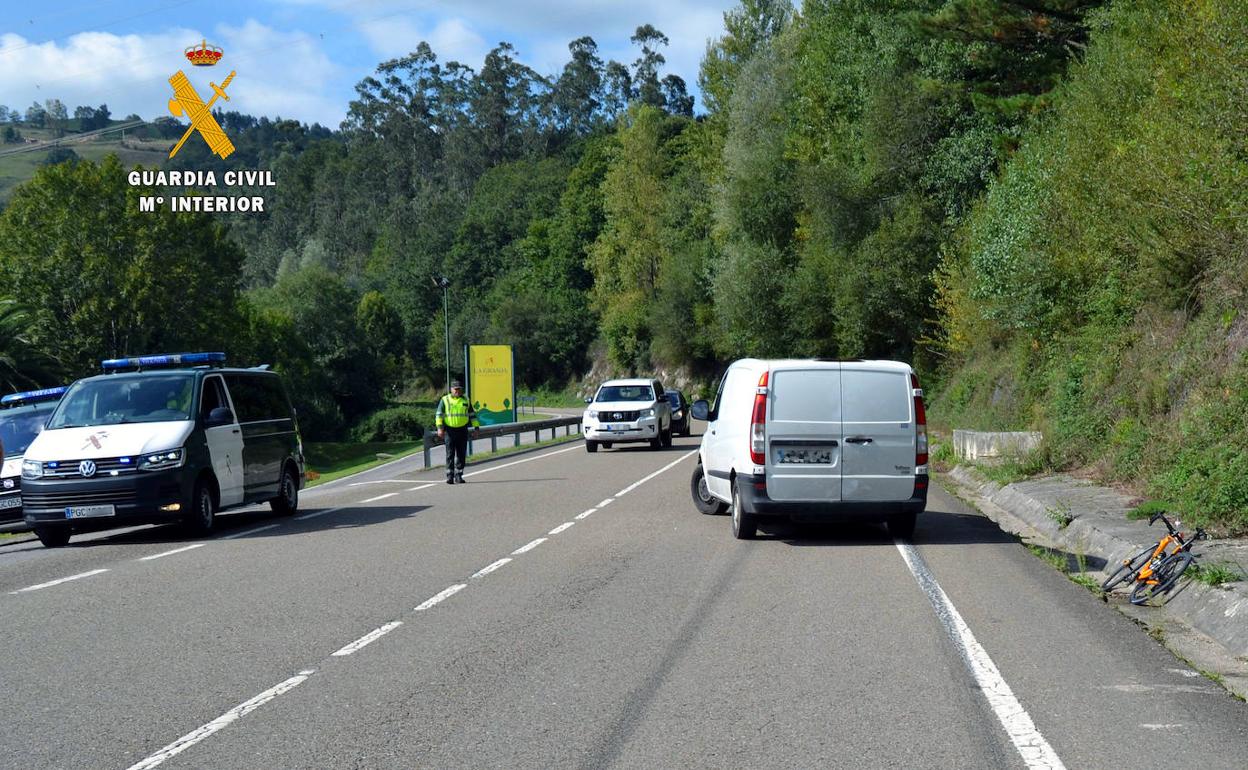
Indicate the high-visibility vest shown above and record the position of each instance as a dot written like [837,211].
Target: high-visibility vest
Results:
[455,412]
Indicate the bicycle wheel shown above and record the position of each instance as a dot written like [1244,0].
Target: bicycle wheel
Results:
[1126,571]
[1166,575]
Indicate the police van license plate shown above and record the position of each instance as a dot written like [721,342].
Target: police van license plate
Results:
[10,502]
[803,456]
[89,511]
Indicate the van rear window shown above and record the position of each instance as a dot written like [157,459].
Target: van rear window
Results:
[875,396]
[806,395]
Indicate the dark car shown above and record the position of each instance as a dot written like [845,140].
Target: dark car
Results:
[680,412]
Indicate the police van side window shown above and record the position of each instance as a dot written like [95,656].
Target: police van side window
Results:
[275,403]
[213,397]
[248,398]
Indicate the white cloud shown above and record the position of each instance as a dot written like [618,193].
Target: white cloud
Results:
[278,72]
[451,39]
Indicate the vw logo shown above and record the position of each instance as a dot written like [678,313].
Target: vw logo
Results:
[619,415]
[8,483]
[87,468]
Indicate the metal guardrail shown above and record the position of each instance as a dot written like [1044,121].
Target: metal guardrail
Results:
[494,432]
[530,401]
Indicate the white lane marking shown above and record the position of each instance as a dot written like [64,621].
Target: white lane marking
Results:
[561,527]
[368,638]
[417,489]
[528,547]
[1184,672]
[487,570]
[314,514]
[606,502]
[247,532]
[542,456]
[583,514]
[380,481]
[1031,745]
[670,465]
[170,553]
[444,595]
[234,714]
[51,583]
[379,497]
[1161,727]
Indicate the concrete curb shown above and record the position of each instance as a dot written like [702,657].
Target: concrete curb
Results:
[1097,529]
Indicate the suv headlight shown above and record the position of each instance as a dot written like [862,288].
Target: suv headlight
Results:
[32,469]
[593,415]
[647,412]
[160,461]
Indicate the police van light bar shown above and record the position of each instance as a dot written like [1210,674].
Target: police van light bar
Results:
[171,359]
[32,396]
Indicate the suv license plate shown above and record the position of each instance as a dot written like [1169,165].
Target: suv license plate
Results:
[89,511]
[803,456]
[10,502]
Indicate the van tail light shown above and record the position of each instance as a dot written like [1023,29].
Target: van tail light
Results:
[758,424]
[920,420]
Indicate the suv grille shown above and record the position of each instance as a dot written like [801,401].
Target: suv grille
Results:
[104,466]
[619,416]
[66,499]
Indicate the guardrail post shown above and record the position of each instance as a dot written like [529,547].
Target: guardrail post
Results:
[516,435]
[427,448]
[493,443]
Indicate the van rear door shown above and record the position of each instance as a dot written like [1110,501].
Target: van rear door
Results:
[879,433]
[804,434]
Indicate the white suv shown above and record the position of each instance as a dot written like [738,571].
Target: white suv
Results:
[628,411]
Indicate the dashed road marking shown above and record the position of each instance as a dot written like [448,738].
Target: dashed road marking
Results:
[488,569]
[367,639]
[670,465]
[561,527]
[584,514]
[379,497]
[170,553]
[314,514]
[247,532]
[528,546]
[441,597]
[51,583]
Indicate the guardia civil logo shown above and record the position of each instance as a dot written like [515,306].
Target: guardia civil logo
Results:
[186,101]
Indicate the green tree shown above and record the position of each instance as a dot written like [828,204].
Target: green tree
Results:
[23,364]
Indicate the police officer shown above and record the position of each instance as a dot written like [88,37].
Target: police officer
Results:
[453,417]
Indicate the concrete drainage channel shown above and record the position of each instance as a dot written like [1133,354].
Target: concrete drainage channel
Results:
[1205,625]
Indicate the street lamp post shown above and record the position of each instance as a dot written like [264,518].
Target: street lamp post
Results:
[445,284]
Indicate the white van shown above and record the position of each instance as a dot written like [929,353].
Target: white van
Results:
[814,440]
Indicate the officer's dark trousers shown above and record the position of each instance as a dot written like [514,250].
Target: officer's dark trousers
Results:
[456,443]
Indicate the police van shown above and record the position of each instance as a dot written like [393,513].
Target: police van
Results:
[22,416]
[814,440]
[162,438]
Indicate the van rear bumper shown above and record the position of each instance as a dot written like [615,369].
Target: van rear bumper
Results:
[754,499]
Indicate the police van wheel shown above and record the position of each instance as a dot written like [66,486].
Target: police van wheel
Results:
[744,526]
[703,500]
[53,537]
[591,446]
[203,514]
[287,500]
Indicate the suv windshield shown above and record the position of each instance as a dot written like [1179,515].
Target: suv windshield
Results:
[625,393]
[19,426]
[115,399]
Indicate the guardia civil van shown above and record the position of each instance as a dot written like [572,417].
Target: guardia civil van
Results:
[22,416]
[162,438]
[814,439]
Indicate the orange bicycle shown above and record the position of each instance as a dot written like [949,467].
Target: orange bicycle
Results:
[1156,569]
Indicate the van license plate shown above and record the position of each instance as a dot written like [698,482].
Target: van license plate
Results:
[10,502]
[800,456]
[89,512]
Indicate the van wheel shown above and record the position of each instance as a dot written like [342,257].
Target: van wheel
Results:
[666,437]
[702,497]
[591,446]
[744,525]
[901,526]
[54,536]
[203,513]
[287,500]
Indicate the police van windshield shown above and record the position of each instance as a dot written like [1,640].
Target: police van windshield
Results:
[18,427]
[115,400]
[625,393]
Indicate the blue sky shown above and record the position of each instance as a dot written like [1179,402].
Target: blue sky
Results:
[301,58]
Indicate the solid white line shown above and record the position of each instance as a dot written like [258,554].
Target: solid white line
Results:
[446,594]
[247,532]
[606,502]
[234,714]
[487,570]
[561,527]
[1031,745]
[170,553]
[417,489]
[368,638]
[672,464]
[314,514]
[58,582]
[528,547]
[380,481]
[379,497]
[583,514]
[518,462]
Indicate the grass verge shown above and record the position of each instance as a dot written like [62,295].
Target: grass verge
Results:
[523,447]
[329,460]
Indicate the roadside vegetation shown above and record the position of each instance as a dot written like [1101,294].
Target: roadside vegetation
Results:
[1040,204]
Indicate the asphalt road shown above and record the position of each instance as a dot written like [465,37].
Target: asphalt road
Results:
[572,610]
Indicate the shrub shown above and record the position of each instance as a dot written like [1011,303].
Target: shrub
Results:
[394,423]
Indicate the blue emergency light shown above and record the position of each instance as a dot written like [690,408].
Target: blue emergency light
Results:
[32,396]
[156,362]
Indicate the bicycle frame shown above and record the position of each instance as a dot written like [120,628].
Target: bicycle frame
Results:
[1172,537]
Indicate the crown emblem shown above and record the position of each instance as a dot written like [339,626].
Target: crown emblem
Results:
[204,55]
